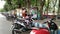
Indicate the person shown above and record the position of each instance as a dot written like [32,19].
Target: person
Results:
[28,20]
[33,11]
[14,15]
[24,12]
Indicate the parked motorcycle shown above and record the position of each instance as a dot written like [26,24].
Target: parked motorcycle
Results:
[40,30]
[18,26]
[52,26]
[21,25]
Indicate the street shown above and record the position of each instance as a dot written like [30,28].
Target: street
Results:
[5,26]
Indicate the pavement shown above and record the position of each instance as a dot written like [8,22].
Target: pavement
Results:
[5,26]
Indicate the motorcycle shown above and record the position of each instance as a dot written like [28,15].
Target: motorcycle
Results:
[40,30]
[52,26]
[28,24]
[20,25]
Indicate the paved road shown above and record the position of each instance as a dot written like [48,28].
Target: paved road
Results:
[5,26]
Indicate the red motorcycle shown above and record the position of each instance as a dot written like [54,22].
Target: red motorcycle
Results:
[51,25]
[40,31]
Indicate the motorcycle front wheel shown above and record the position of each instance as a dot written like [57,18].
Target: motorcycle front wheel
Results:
[16,32]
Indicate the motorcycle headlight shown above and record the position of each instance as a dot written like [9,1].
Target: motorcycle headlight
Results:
[14,21]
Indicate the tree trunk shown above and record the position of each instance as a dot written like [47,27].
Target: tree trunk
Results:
[47,7]
[41,8]
[36,2]
[41,12]
[59,8]
[28,5]
[54,7]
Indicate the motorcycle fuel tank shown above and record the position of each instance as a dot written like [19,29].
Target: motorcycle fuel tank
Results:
[40,31]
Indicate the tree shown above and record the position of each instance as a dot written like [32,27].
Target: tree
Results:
[8,7]
[47,5]
[2,10]
[17,3]
[54,4]
[59,8]
[42,3]
[12,4]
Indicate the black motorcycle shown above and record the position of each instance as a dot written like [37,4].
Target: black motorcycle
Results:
[52,26]
[20,26]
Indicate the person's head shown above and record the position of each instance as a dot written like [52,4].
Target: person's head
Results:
[23,8]
[26,11]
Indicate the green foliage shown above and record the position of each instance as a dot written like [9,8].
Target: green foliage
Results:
[13,4]
[59,3]
[8,7]
[33,2]
[46,3]
[16,3]
[2,10]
